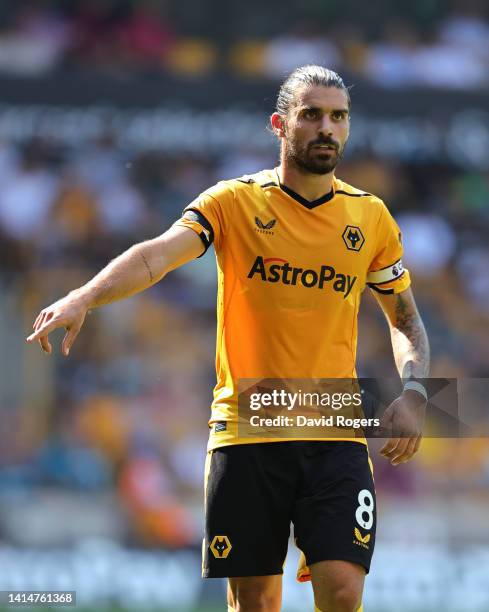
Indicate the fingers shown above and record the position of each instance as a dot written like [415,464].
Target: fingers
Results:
[42,335]
[39,319]
[42,318]
[403,451]
[43,326]
[43,329]
[411,449]
[395,448]
[389,447]
[68,340]
[400,450]
[65,314]
[45,344]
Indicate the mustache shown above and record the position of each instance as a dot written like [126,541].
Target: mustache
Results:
[325,141]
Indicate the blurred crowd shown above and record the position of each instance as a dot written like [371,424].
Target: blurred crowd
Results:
[127,411]
[402,49]
[121,408]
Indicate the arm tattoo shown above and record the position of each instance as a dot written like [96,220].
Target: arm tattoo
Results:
[409,341]
[147,267]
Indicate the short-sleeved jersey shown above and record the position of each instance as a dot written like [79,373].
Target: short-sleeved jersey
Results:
[290,277]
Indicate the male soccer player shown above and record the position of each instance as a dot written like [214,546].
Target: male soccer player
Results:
[295,249]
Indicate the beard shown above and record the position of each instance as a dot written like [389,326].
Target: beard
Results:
[308,159]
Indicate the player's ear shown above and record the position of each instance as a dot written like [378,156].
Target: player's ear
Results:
[278,125]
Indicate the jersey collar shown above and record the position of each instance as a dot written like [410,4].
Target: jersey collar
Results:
[310,204]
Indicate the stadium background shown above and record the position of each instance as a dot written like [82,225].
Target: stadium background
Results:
[113,116]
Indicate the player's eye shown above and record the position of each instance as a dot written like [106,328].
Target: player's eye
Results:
[311,113]
[338,115]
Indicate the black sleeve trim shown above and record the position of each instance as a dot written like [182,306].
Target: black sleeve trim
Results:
[385,291]
[206,237]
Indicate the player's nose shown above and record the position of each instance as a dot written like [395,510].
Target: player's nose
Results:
[326,127]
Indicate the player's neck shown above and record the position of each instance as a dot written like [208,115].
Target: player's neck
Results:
[310,186]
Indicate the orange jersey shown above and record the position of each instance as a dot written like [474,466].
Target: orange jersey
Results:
[290,278]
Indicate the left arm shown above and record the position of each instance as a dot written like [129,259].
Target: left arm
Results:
[412,356]
[408,335]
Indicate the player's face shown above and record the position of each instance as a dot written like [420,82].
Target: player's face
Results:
[317,128]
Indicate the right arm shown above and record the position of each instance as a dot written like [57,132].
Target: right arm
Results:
[138,268]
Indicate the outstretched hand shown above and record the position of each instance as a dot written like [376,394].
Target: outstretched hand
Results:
[404,420]
[68,312]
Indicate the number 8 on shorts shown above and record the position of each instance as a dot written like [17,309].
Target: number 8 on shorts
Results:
[365,510]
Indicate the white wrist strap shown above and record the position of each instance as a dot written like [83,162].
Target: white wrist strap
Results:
[413,385]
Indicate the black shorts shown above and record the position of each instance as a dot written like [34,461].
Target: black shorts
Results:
[254,492]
